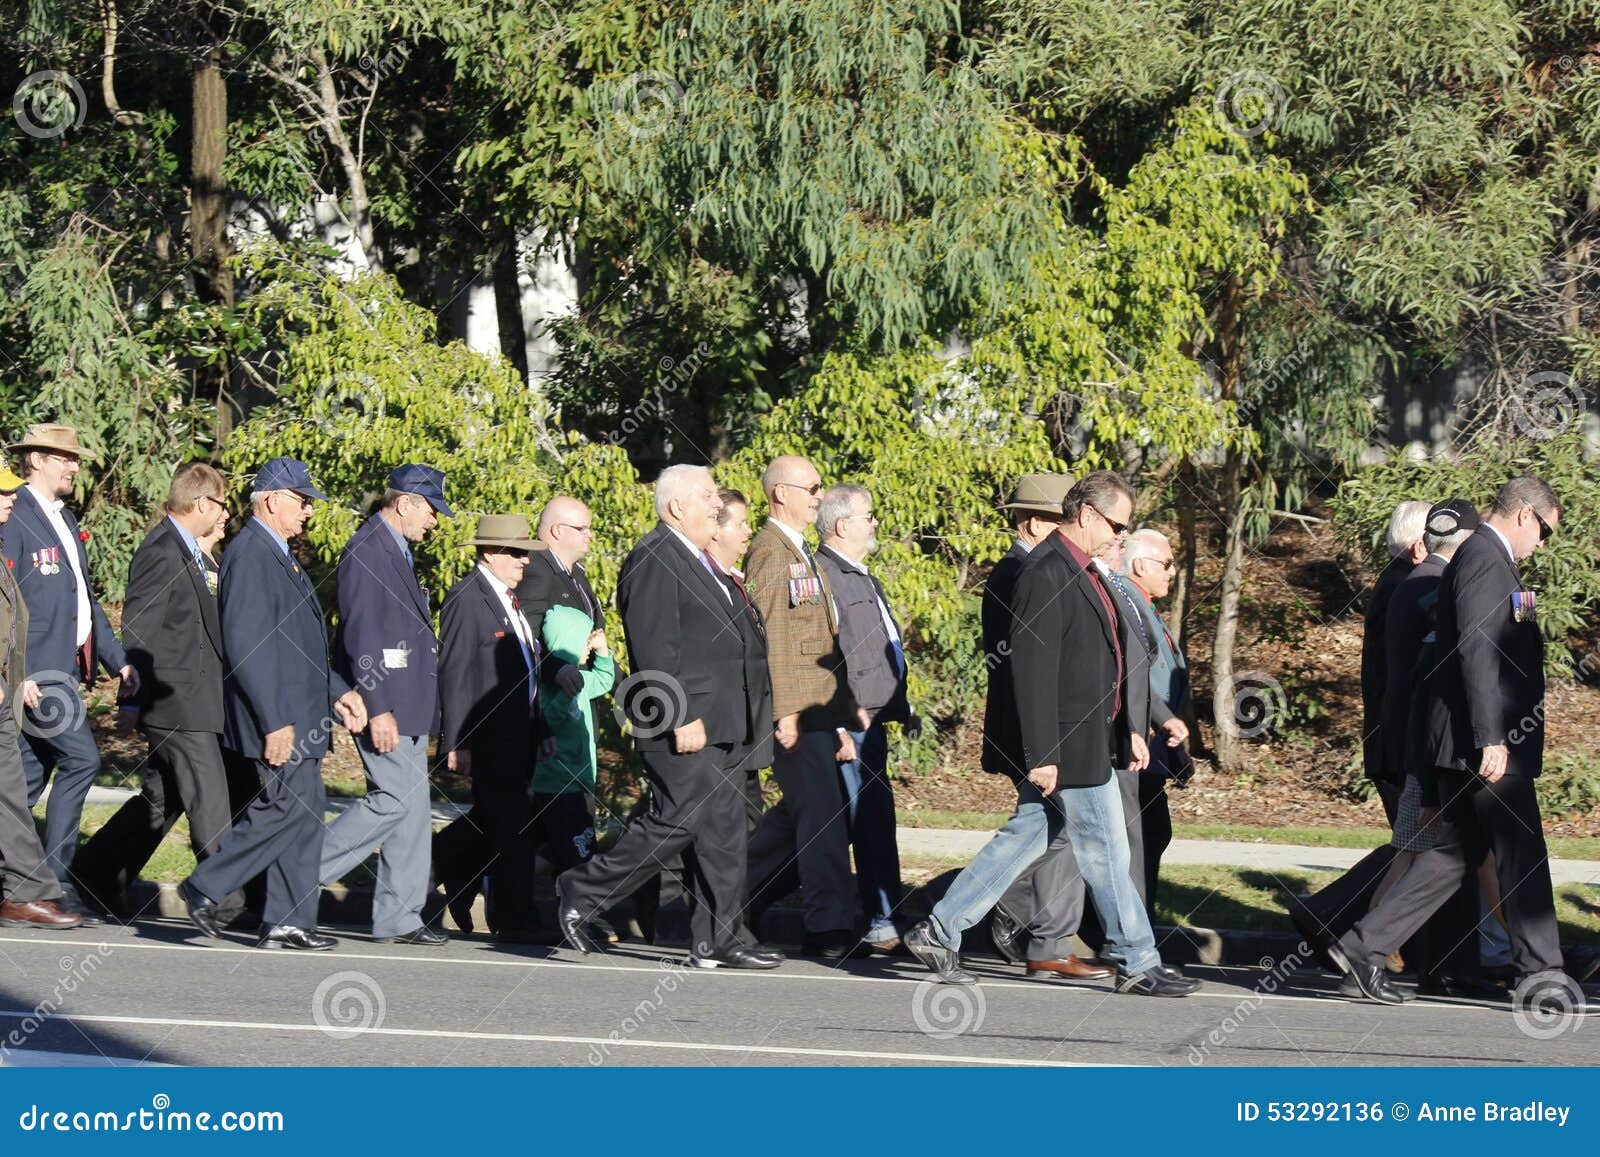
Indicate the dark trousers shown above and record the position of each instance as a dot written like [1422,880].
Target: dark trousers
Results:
[563,828]
[698,803]
[56,739]
[279,834]
[184,775]
[24,876]
[872,828]
[1155,826]
[807,836]
[673,882]
[1474,819]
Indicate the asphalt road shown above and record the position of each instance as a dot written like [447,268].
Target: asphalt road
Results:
[158,993]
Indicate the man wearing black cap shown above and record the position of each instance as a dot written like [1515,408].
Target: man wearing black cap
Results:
[279,696]
[386,646]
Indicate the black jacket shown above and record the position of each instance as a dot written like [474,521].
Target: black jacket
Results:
[1412,614]
[756,752]
[1002,731]
[1489,685]
[1373,666]
[875,681]
[1066,671]
[483,679]
[687,648]
[173,636]
[544,585]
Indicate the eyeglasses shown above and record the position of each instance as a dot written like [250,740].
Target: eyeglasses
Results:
[1117,528]
[574,526]
[1164,563]
[1545,529]
[814,489]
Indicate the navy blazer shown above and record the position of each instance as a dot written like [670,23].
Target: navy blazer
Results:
[384,610]
[275,649]
[484,692]
[173,636]
[53,599]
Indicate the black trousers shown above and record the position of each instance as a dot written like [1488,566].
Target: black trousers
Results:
[1475,818]
[24,876]
[698,804]
[1155,827]
[563,828]
[673,882]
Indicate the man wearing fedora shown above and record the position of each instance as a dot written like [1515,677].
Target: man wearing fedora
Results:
[387,647]
[488,664]
[280,695]
[29,891]
[68,636]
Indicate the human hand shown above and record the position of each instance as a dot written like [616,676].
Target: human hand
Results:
[279,745]
[1044,778]
[689,738]
[385,733]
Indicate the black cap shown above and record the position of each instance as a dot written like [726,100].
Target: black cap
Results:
[1452,515]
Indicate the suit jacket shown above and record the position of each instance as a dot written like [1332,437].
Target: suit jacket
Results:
[1489,685]
[1373,667]
[13,634]
[275,649]
[809,675]
[1002,732]
[1145,710]
[173,636]
[1169,670]
[877,679]
[384,610]
[687,641]
[544,585]
[1065,671]
[53,599]
[756,752]
[483,679]
[1412,614]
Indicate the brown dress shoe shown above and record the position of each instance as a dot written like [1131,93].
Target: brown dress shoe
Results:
[1070,968]
[36,914]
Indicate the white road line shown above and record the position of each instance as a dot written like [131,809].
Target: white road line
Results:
[598,1041]
[1056,988]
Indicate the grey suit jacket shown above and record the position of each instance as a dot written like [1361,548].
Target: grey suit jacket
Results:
[875,680]
[1144,709]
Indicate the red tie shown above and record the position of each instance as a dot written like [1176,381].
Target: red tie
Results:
[516,603]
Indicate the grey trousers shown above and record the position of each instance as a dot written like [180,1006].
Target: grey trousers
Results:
[395,817]
[808,830]
[1048,898]
[24,877]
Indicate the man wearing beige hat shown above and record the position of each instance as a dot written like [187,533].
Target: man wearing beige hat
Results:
[28,889]
[69,636]
[488,657]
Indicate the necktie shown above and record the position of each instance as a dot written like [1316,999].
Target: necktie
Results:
[516,603]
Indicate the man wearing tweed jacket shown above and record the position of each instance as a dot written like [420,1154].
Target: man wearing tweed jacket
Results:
[812,711]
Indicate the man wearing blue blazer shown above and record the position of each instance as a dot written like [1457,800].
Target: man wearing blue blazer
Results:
[279,696]
[69,636]
[387,647]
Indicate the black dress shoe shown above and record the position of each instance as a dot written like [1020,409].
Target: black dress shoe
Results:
[571,922]
[1368,980]
[421,934]
[288,936]
[841,944]
[1322,944]
[1438,984]
[202,912]
[945,964]
[458,899]
[522,936]
[72,904]
[1006,934]
[601,931]
[1156,981]
[739,958]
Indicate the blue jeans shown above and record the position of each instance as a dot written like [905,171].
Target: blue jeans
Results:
[872,830]
[1092,820]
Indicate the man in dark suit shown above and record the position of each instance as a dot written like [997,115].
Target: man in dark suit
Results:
[875,661]
[1071,684]
[29,891]
[279,695]
[69,638]
[489,730]
[692,704]
[556,578]
[173,638]
[1485,741]
[386,646]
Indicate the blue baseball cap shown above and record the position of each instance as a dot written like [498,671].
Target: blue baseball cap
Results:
[424,482]
[285,474]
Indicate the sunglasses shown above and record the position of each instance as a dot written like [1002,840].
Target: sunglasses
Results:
[1545,529]
[1117,528]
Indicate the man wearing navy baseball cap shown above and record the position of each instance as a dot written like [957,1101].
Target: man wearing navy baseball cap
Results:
[387,648]
[280,696]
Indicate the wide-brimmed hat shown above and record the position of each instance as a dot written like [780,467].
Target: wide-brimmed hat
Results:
[57,439]
[9,482]
[505,530]
[1041,493]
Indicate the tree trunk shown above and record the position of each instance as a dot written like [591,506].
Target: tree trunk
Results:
[508,301]
[1178,606]
[1230,343]
[208,216]
[350,156]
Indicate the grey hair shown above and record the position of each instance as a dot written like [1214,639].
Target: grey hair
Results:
[1408,523]
[1446,544]
[835,505]
[674,483]
[1140,544]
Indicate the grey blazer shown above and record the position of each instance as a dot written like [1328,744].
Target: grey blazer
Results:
[876,683]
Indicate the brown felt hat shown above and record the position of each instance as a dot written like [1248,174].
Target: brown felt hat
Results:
[57,439]
[1040,493]
[509,531]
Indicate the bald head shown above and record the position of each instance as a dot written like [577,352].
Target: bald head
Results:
[793,489]
[564,525]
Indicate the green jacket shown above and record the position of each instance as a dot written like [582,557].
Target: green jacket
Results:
[570,719]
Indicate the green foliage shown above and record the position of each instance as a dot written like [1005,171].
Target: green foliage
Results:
[1569,785]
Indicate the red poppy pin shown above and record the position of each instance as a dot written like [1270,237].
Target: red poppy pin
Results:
[11,564]
[83,536]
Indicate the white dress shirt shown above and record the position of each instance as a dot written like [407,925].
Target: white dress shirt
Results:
[700,557]
[519,626]
[69,549]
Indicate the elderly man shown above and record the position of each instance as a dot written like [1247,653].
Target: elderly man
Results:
[875,660]
[489,685]
[387,647]
[693,704]
[279,695]
[1073,688]
[174,640]
[29,891]
[69,637]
